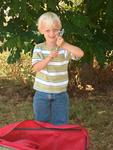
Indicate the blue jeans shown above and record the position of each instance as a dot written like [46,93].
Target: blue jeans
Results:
[51,107]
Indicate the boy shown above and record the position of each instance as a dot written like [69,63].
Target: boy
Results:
[50,61]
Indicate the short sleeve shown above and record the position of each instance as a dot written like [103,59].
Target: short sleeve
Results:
[74,57]
[70,56]
[37,55]
[67,55]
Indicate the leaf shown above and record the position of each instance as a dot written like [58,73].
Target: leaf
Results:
[80,20]
[93,6]
[100,54]
[109,13]
[1,49]
[52,4]
[14,56]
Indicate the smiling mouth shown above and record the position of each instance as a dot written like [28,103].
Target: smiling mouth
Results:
[52,37]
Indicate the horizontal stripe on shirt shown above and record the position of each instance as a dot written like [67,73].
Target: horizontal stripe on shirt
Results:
[37,50]
[50,63]
[51,83]
[34,61]
[58,63]
[49,89]
[53,73]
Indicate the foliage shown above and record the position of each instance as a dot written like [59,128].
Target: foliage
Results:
[20,71]
[87,24]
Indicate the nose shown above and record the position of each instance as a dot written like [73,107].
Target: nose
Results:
[52,33]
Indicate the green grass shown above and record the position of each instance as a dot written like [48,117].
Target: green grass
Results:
[5,148]
[93,112]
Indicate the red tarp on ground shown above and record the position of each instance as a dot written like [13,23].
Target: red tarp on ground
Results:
[34,135]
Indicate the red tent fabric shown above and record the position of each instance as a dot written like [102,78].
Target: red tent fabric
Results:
[35,135]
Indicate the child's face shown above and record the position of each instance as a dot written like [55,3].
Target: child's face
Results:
[50,32]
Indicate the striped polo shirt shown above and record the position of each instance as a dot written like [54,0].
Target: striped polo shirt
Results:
[54,77]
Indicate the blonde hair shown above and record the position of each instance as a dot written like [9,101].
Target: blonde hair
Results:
[49,18]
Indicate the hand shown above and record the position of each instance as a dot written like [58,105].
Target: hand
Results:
[59,41]
[53,54]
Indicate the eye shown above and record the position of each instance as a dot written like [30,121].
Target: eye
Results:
[47,30]
[56,30]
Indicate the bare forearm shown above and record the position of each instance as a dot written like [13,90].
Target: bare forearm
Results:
[42,64]
[76,51]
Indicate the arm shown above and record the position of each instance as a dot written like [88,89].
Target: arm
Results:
[74,50]
[42,64]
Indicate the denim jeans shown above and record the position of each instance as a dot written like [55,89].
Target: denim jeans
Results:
[51,107]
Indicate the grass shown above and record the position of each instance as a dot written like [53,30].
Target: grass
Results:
[4,148]
[93,112]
